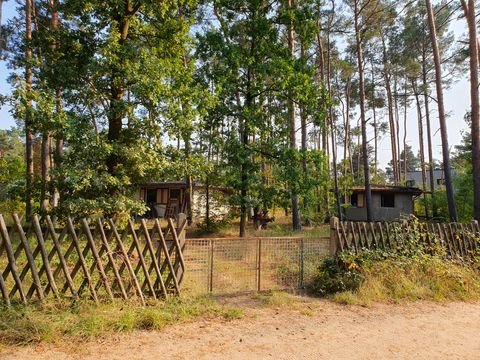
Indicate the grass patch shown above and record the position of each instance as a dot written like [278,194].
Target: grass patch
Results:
[367,278]
[21,325]
[425,278]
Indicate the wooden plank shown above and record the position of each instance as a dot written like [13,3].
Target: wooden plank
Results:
[58,248]
[359,232]
[81,260]
[474,235]
[382,238]
[346,233]
[374,235]
[354,237]
[37,285]
[179,264]
[442,241]
[364,229]
[111,263]
[3,289]
[154,258]
[452,240]
[387,231]
[129,252]
[342,240]
[465,240]
[43,252]
[141,258]
[126,260]
[98,260]
[168,261]
[11,259]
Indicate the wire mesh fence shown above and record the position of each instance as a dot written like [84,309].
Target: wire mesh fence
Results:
[229,265]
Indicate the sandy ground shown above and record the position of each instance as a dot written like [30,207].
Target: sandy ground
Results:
[300,330]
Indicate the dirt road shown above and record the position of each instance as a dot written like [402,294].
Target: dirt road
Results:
[307,330]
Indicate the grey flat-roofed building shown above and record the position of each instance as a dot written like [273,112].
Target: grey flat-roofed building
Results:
[414,178]
[389,202]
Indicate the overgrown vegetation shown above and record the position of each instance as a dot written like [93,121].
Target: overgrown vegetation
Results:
[54,321]
[414,271]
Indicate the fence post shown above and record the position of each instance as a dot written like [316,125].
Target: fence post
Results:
[302,261]
[333,236]
[259,263]
[180,220]
[210,275]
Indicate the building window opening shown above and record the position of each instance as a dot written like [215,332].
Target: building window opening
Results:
[388,200]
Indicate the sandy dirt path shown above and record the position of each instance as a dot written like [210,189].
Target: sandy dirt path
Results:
[307,330]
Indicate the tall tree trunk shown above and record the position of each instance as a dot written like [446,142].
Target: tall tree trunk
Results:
[470,14]
[303,124]
[117,90]
[397,122]
[28,118]
[405,153]
[361,86]
[429,132]
[375,129]
[296,218]
[422,147]
[452,210]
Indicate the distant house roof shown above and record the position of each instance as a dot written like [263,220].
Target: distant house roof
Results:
[389,188]
[182,184]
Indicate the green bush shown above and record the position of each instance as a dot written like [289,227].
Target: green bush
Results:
[335,275]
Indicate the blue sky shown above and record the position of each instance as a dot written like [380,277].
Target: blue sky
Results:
[457,102]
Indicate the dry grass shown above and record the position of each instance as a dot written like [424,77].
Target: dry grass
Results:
[282,226]
[58,321]
[426,278]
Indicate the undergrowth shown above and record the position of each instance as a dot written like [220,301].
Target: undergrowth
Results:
[414,271]
[54,321]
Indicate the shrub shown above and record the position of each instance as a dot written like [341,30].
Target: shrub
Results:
[335,275]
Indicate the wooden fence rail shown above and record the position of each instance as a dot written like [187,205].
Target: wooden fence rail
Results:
[457,240]
[90,259]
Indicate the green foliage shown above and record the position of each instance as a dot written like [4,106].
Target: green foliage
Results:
[57,321]
[413,269]
[12,172]
[335,275]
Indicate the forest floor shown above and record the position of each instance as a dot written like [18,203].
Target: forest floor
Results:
[288,327]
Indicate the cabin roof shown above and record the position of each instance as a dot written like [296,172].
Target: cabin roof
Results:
[389,189]
[181,185]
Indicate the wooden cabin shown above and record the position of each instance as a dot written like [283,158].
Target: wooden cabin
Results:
[167,199]
[389,202]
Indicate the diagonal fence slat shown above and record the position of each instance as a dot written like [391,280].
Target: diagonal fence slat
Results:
[126,262]
[459,241]
[90,259]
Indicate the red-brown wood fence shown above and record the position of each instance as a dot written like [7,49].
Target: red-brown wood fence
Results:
[457,240]
[94,259]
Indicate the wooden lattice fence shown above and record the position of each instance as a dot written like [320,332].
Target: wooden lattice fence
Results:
[457,240]
[90,259]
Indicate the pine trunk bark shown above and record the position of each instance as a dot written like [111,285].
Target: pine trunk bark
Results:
[361,85]
[470,14]
[28,119]
[452,210]
[296,217]
[422,147]
[429,134]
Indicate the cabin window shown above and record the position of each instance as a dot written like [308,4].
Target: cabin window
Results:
[356,200]
[410,183]
[175,194]
[441,182]
[388,200]
[163,196]
[151,196]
